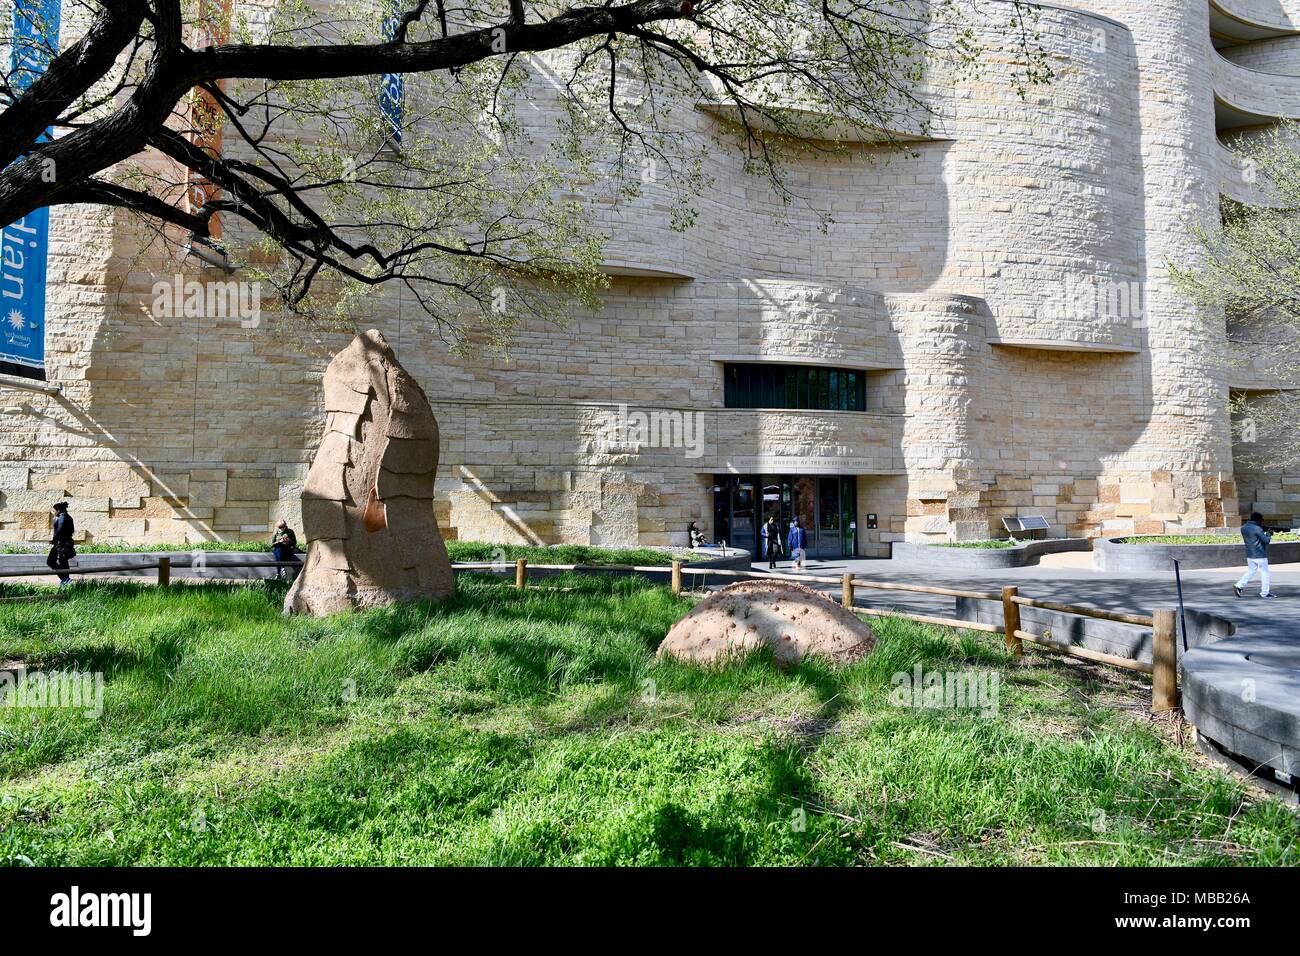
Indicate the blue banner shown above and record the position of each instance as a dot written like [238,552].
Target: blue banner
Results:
[25,243]
[391,87]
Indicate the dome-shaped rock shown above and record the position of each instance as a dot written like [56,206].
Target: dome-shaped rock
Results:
[792,619]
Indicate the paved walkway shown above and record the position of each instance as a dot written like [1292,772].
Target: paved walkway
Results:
[1139,593]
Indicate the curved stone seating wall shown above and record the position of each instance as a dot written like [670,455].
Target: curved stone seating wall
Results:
[1110,555]
[1244,695]
[1021,556]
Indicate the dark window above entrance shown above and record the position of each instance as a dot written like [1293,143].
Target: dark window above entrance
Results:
[759,385]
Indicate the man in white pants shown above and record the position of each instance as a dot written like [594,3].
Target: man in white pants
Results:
[1257,539]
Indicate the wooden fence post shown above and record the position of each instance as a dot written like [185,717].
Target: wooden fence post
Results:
[521,573]
[1164,660]
[1011,621]
[847,585]
[677,577]
[164,571]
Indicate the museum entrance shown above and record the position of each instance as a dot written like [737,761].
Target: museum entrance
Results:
[826,504]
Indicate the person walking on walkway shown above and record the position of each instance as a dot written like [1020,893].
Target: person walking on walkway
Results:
[1257,538]
[62,550]
[772,541]
[798,543]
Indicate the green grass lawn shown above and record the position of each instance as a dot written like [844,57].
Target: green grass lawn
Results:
[1233,538]
[535,727]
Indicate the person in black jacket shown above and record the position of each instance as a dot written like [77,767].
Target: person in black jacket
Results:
[62,551]
[772,540]
[284,547]
[1257,538]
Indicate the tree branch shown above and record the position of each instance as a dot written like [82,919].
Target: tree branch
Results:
[70,75]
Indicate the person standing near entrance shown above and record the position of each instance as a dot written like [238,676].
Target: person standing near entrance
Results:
[772,541]
[798,542]
[1257,539]
[62,550]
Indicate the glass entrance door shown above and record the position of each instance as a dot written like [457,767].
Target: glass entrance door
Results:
[826,543]
[826,504]
[743,514]
[805,508]
[848,516]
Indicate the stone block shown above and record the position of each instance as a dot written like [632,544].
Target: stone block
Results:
[208,474]
[926,525]
[158,508]
[252,489]
[26,500]
[211,493]
[1136,491]
[169,486]
[34,521]
[552,481]
[87,505]
[232,519]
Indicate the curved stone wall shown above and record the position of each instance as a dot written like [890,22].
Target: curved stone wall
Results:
[1238,181]
[1246,17]
[1261,95]
[808,322]
[944,345]
[1188,421]
[1046,190]
[1033,204]
[1279,55]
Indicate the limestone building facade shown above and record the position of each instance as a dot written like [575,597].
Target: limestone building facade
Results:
[986,330]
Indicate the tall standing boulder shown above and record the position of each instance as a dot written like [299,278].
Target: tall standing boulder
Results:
[367,505]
